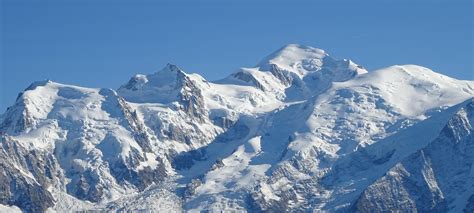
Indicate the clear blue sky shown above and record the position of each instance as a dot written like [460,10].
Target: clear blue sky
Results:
[103,43]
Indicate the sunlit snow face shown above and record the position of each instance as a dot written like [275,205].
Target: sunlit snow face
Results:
[311,64]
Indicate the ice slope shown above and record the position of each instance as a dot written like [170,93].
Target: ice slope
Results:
[299,131]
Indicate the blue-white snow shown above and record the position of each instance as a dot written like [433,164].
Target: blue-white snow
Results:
[299,131]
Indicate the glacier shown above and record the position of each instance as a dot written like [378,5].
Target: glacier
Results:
[301,131]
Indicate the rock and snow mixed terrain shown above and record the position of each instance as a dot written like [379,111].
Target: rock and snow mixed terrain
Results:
[300,131]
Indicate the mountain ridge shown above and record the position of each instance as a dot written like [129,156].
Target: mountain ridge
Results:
[299,131]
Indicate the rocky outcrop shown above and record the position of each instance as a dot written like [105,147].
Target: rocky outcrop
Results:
[190,97]
[17,118]
[25,177]
[434,179]
[282,75]
[248,78]
[140,131]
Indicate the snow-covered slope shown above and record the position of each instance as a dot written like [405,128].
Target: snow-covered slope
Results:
[439,177]
[296,73]
[87,143]
[299,131]
[322,152]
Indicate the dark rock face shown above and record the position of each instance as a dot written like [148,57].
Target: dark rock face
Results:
[131,84]
[284,76]
[237,131]
[177,134]
[86,186]
[191,187]
[139,130]
[186,160]
[223,122]
[128,116]
[28,193]
[247,77]
[282,205]
[190,97]
[187,132]
[123,171]
[17,118]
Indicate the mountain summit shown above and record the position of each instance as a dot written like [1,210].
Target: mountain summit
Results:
[300,131]
[304,59]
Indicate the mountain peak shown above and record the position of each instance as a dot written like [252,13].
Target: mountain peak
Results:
[38,83]
[301,119]
[172,68]
[167,76]
[303,60]
[291,49]
[160,87]
[290,55]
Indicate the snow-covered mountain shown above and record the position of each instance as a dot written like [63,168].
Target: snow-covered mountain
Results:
[300,131]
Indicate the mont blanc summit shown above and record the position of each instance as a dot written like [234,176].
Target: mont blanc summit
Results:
[300,131]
